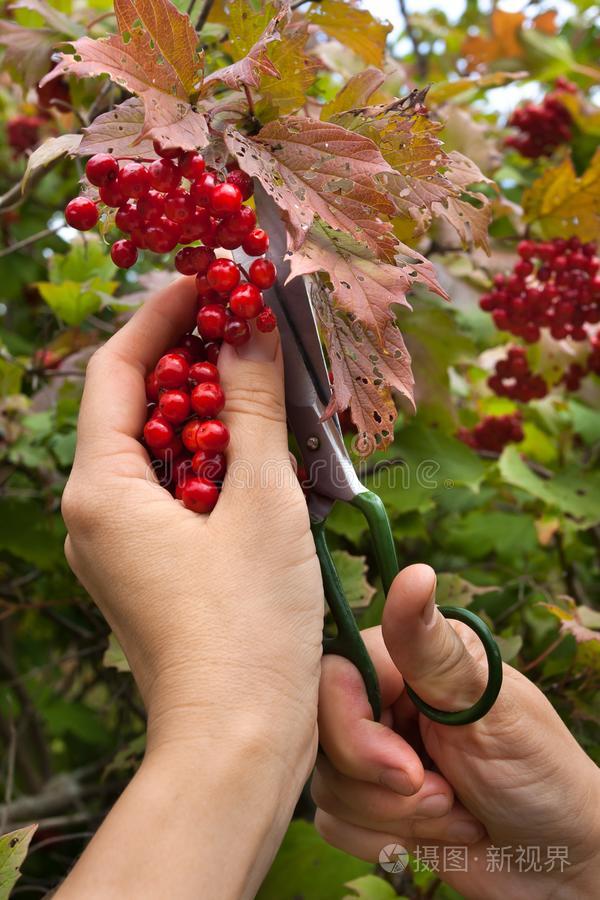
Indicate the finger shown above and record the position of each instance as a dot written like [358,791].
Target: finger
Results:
[356,745]
[372,802]
[413,817]
[365,843]
[425,647]
[252,378]
[113,407]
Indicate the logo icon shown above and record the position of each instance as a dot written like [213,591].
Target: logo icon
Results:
[393,858]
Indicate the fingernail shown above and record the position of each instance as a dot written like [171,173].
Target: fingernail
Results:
[428,612]
[465,832]
[398,781]
[261,347]
[436,805]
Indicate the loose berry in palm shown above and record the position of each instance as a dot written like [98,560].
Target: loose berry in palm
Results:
[175,405]
[213,436]
[158,433]
[172,371]
[209,465]
[200,495]
[266,321]
[204,373]
[207,399]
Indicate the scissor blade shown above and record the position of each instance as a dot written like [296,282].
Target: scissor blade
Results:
[307,390]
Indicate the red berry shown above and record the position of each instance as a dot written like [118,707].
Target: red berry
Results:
[162,237]
[262,273]
[164,175]
[223,275]
[134,180]
[204,373]
[225,199]
[266,320]
[152,387]
[206,294]
[175,405]
[241,222]
[124,254]
[193,260]
[211,322]
[201,189]
[256,243]
[243,181]
[194,346]
[209,465]
[101,168]
[158,432]
[179,206]
[127,218]
[237,331]
[200,495]
[166,152]
[246,301]
[151,207]
[208,400]
[197,227]
[111,194]
[191,165]
[226,238]
[81,213]
[211,350]
[172,371]
[189,434]
[212,435]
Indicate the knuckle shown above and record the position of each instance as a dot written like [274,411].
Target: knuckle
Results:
[81,508]
[256,399]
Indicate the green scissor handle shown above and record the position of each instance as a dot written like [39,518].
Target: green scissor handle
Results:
[349,643]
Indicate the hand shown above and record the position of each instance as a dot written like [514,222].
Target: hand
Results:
[220,616]
[516,777]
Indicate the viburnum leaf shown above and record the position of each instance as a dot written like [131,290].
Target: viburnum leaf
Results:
[46,153]
[353,27]
[118,132]
[57,20]
[426,181]
[446,90]
[171,32]
[363,372]
[353,571]
[559,204]
[13,850]
[502,43]
[137,65]
[356,92]
[286,92]
[316,168]
[249,68]
[27,50]
[363,286]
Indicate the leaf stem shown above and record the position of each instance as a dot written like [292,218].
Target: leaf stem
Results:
[250,101]
[204,14]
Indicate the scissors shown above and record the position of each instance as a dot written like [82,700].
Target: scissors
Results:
[333,478]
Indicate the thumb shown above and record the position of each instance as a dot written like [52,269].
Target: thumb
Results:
[426,648]
[252,378]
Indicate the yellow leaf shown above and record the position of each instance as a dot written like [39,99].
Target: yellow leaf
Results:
[584,114]
[355,28]
[246,26]
[446,90]
[503,43]
[561,204]
[360,89]
[287,93]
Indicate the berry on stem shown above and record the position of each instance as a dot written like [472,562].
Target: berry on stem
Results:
[203,373]
[225,199]
[266,321]
[101,168]
[237,331]
[246,301]
[133,180]
[175,405]
[81,213]
[223,275]
[262,273]
[256,242]
[243,181]
[211,322]
[124,254]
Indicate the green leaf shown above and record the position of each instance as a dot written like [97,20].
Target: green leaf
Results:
[319,870]
[11,376]
[352,571]
[586,421]
[437,460]
[13,850]
[82,262]
[67,718]
[347,521]
[29,533]
[452,590]
[509,646]
[63,447]
[483,532]
[72,302]
[114,657]
[571,491]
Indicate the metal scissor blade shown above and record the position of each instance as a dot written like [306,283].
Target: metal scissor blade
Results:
[307,389]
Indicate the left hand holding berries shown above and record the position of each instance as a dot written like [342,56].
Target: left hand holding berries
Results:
[220,616]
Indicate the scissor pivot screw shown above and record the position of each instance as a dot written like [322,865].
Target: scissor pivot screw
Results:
[313,443]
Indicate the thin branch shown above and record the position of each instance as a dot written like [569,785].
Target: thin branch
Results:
[204,14]
[26,242]
[543,655]
[421,60]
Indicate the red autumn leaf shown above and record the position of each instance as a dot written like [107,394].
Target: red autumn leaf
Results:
[118,132]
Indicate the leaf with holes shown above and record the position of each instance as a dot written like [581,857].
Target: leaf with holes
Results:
[364,373]
[118,132]
[139,66]
[286,92]
[13,850]
[352,27]
[255,64]
[561,204]
[171,33]
[316,168]
[357,91]
[363,286]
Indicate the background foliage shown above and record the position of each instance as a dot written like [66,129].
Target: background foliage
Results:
[515,534]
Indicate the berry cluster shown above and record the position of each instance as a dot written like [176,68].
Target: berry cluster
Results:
[542,128]
[493,433]
[23,133]
[183,430]
[514,379]
[157,212]
[554,285]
